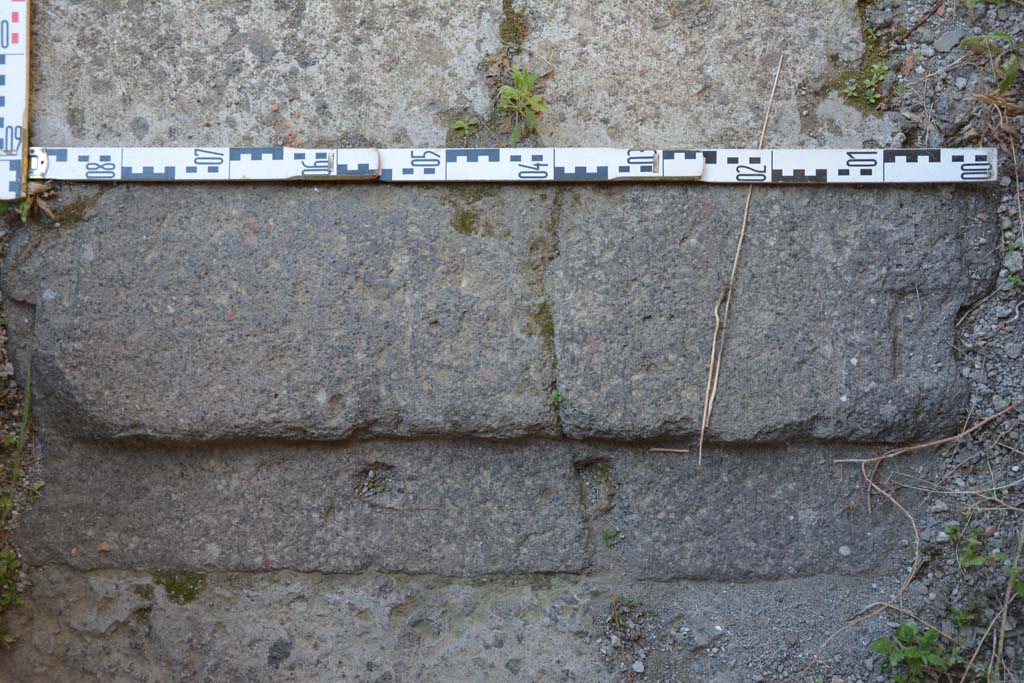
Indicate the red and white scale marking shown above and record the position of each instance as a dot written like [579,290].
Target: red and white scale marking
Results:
[540,164]
[14,21]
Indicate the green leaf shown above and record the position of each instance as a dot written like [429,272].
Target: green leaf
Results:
[970,559]
[473,121]
[531,119]
[906,631]
[882,646]
[517,133]
[1012,69]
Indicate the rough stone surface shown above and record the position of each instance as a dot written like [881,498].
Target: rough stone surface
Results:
[332,312]
[460,509]
[273,385]
[396,73]
[753,513]
[840,323]
[274,626]
[287,312]
[324,313]
[442,507]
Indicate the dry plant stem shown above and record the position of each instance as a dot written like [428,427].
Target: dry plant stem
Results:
[937,72]
[920,22]
[669,450]
[718,339]
[930,444]
[1016,176]
[977,650]
[1008,597]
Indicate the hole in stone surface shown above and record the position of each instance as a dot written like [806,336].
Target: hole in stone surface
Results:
[374,479]
[597,485]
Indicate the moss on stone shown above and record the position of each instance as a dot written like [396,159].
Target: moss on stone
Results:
[513,29]
[545,323]
[465,221]
[878,47]
[144,591]
[181,585]
[73,213]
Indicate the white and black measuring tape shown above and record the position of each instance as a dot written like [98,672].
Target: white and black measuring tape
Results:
[535,164]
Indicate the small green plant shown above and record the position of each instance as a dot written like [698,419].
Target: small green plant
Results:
[916,656]
[972,549]
[1010,247]
[866,88]
[1018,582]
[556,399]
[963,617]
[610,536]
[1006,57]
[971,4]
[876,76]
[1015,280]
[620,605]
[10,576]
[25,207]
[466,128]
[521,103]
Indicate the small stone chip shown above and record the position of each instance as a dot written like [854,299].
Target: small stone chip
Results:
[103,547]
[638,666]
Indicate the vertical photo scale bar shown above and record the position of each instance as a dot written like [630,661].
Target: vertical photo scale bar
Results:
[14,111]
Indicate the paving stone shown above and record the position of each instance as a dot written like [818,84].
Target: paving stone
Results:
[459,508]
[393,73]
[361,311]
[443,507]
[840,326]
[186,313]
[273,626]
[754,513]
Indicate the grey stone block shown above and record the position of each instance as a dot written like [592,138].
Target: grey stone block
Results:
[755,513]
[204,313]
[460,509]
[393,73]
[840,326]
[442,507]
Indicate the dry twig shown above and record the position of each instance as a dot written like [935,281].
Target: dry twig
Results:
[718,338]
[920,22]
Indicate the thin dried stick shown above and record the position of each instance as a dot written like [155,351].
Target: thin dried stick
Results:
[929,444]
[977,650]
[669,450]
[717,345]
[1016,175]
[1008,596]
[920,22]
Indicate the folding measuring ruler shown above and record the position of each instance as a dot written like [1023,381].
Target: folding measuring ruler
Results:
[20,163]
